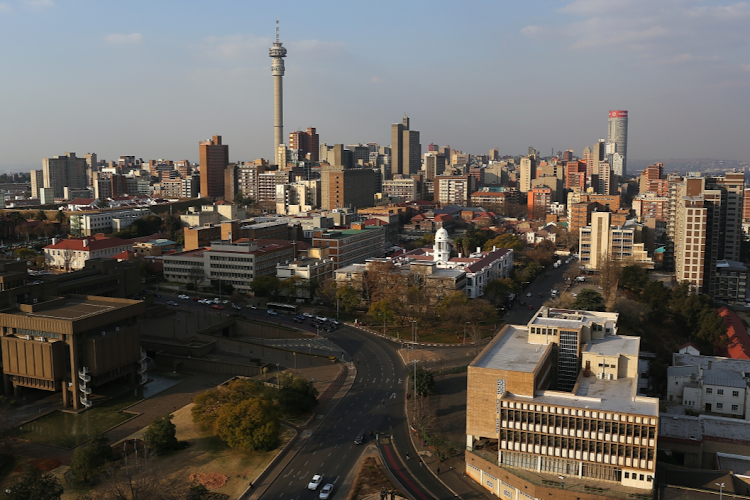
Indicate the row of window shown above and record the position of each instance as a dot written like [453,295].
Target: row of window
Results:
[720,392]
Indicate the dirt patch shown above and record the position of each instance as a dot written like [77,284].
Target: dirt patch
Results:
[370,480]
[210,480]
[41,465]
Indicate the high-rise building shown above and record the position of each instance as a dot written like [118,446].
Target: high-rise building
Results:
[575,176]
[214,160]
[597,155]
[61,171]
[277,53]
[539,200]
[454,189]
[247,178]
[434,165]
[527,173]
[37,182]
[617,136]
[306,142]
[92,165]
[341,188]
[406,151]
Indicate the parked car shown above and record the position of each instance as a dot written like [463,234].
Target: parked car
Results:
[315,482]
[530,308]
[183,297]
[197,299]
[217,306]
[301,317]
[172,303]
[216,300]
[528,294]
[272,312]
[322,319]
[225,302]
[360,438]
[539,295]
[308,315]
[235,306]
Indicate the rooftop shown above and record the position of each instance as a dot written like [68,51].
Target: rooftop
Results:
[735,365]
[512,351]
[71,308]
[614,345]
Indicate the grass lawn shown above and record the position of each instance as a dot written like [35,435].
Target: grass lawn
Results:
[434,332]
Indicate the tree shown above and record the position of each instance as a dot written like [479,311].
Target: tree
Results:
[61,217]
[266,286]
[452,310]
[347,297]
[497,291]
[480,311]
[102,203]
[327,293]
[252,424]
[40,216]
[543,253]
[24,253]
[634,278]
[382,311]
[33,485]
[88,460]
[207,404]
[505,240]
[425,381]
[610,271]
[173,226]
[589,300]
[147,483]
[297,394]
[160,436]
[657,297]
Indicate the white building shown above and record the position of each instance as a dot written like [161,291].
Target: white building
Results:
[106,221]
[72,254]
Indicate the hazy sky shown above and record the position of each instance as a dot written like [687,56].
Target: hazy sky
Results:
[153,78]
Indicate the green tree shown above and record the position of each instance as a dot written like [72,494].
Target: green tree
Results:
[589,300]
[160,436]
[40,215]
[657,297]
[711,328]
[425,381]
[497,291]
[24,253]
[634,278]
[454,311]
[505,240]
[347,297]
[685,307]
[61,217]
[266,286]
[297,394]
[382,311]
[290,286]
[88,460]
[33,485]
[173,226]
[252,424]
[207,404]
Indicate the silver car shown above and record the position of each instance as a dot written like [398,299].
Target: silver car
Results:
[325,493]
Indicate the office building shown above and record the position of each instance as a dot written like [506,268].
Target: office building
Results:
[61,171]
[247,179]
[72,254]
[350,246]
[214,157]
[597,155]
[539,200]
[575,176]
[71,345]
[601,241]
[454,189]
[307,143]
[267,182]
[403,189]
[556,399]
[406,151]
[617,136]
[351,188]
[37,182]
[104,221]
[434,165]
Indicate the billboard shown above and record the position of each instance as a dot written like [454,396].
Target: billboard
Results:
[618,114]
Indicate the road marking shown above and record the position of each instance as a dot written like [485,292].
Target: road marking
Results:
[399,381]
[330,454]
[393,396]
[305,464]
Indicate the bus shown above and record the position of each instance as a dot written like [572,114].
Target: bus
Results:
[282,308]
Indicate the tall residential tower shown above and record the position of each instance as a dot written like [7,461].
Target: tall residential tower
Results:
[278,53]
[617,137]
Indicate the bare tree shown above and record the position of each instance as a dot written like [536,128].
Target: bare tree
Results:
[610,270]
[423,413]
[145,483]
[67,256]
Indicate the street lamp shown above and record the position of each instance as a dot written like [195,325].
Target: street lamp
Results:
[721,490]
[562,478]
[467,323]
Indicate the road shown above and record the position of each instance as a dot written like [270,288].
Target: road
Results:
[374,403]
[519,314]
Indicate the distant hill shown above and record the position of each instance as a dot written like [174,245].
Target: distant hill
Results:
[682,166]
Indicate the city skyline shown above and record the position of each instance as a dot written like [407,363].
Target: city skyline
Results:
[154,80]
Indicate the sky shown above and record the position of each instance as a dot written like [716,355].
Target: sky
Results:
[153,78]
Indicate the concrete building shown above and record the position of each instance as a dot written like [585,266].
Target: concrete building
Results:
[306,142]
[650,205]
[527,173]
[557,398]
[600,241]
[104,221]
[406,151]
[278,53]
[402,189]
[71,345]
[539,199]
[72,254]
[61,171]
[346,188]
[434,165]
[617,136]
[267,182]
[37,182]
[730,282]
[236,263]
[350,246]
[247,179]
[454,189]
[305,270]
[214,158]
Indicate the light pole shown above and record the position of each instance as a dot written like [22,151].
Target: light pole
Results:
[294,353]
[467,323]
[562,478]
[721,490]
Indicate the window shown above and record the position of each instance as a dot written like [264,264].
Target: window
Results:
[641,478]
[627,475]
[734,407]
[709,390]
[719,406]
[735,394]
[720,392]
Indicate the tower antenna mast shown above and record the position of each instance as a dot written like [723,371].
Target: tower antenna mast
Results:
[277,30]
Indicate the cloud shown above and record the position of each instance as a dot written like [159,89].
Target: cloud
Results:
[4,7]
[676,31]
[122,39]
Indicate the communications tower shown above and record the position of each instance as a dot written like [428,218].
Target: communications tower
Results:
[278,53]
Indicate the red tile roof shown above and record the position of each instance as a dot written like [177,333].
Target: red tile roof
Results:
[739,341]
[443,218]
[125,255]
[83,201]
[92,243]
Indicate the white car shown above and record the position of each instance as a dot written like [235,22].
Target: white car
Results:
[315,482]
[325,493]
[183,297]
[272,312]
[235,306]
[528,294]
[216,300]
[308,315]
[321,318]
[225,302]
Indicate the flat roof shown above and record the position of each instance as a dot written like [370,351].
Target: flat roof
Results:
[597,395]
[512,352]
[74,309]
[614,345]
